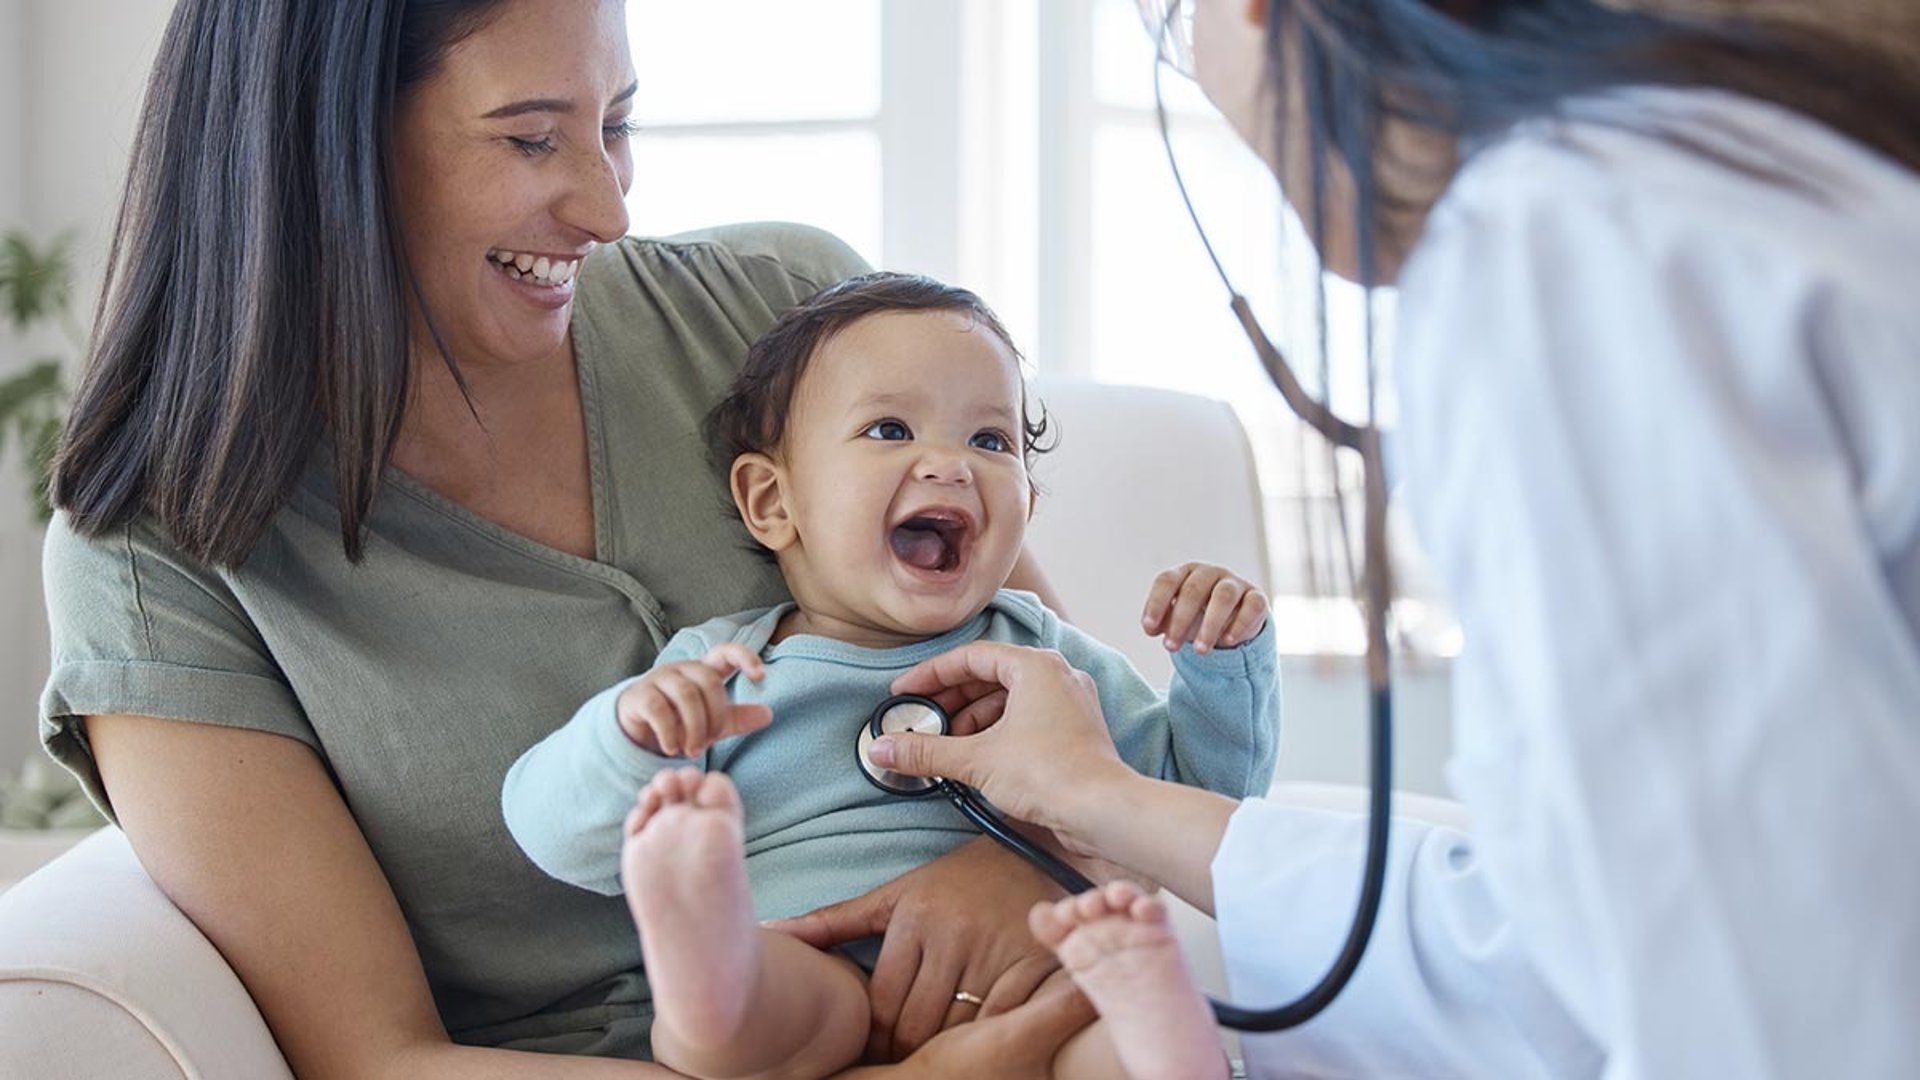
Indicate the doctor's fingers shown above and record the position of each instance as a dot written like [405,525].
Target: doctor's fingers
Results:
[954,699]
[979,715]
[984,662]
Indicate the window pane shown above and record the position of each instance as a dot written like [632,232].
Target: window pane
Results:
[1123,63]
[713,61]
[1160,314]
[830,180]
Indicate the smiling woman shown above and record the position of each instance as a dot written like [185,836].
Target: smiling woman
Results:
[388,454]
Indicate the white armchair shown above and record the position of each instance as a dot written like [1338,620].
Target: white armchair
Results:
[100,976]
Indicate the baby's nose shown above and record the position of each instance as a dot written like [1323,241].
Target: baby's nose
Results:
[943,467]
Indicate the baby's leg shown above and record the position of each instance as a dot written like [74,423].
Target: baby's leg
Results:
[730,999]
[1117,944]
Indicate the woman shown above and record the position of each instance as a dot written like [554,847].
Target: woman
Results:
[1659,363]
[387,457]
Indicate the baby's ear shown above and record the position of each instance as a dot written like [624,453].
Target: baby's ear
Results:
[759,492]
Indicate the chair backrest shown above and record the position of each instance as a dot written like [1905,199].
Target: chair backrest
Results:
[1141,480]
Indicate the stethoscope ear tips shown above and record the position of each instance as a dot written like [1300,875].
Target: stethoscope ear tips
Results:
[897,714]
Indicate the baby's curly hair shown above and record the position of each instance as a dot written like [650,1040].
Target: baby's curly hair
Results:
[752,418]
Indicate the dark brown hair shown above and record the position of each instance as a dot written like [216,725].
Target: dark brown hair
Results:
[257,292]
[1472,68]
[752,418]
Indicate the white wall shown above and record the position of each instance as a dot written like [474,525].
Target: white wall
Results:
[71,74]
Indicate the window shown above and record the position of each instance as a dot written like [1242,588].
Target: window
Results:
[1012,147]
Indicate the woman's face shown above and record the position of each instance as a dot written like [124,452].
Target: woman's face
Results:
[509,164]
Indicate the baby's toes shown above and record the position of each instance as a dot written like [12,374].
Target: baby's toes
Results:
[1148,910]
[714,791]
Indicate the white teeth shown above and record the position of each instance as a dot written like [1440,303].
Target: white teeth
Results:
[540,269]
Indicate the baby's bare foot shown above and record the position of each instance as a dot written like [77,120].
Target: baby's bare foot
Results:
[1117,944]
[685,872]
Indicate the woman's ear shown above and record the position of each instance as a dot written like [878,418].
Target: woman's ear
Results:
[759,492]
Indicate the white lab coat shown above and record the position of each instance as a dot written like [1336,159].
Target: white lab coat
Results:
[1661,436]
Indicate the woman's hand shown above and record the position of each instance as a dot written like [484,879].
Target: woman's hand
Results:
[1017,1045]
[1041,754]
[959,923]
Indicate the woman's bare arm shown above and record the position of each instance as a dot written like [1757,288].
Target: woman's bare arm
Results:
[246,834]
[1027,575]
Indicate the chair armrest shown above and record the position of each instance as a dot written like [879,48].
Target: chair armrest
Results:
[100,975]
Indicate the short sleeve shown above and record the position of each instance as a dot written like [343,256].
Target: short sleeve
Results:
[807,258]
[138,629]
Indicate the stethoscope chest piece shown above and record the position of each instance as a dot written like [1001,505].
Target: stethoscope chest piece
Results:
[900,713]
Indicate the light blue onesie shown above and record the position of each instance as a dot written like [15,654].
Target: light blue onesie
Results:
[816,831]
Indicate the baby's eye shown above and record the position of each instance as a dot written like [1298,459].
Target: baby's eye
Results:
[888,431]
[990,441]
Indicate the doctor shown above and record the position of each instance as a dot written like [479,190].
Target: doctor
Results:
[1659,372]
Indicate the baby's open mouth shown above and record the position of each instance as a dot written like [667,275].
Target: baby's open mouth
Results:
[933,540]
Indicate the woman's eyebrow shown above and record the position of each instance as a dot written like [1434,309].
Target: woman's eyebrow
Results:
[553,105]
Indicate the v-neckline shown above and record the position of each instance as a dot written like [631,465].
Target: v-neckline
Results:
[585,386]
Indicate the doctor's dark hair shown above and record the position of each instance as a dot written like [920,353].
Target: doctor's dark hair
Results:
[1472,68]
[752,418]
[256,291]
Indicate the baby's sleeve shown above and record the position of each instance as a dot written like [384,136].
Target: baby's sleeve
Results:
[1218,725]
[566,798]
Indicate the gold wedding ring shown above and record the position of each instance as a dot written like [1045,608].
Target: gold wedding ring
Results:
[970,999]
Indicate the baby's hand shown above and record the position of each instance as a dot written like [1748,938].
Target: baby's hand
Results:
[1204,604]
[680,709]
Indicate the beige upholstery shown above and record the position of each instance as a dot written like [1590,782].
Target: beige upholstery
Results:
[100,976]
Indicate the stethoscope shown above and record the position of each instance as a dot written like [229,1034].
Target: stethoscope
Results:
[911,713]
[917,714]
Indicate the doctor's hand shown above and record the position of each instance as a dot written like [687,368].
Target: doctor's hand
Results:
[1206,604]
[1042,757]
[680,709]
[958,923]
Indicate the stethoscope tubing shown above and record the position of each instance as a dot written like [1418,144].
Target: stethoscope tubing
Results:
[1372,882]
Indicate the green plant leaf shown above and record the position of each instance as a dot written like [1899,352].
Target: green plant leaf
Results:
[31,406]
[34,282]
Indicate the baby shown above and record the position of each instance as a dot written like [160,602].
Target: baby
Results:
[878,446]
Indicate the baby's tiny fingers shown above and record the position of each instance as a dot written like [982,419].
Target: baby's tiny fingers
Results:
[731,656]
[1249,619]
[1188,609]
[1166,585]
[1219,616]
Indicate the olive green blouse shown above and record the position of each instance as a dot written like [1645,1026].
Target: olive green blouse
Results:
[420,674]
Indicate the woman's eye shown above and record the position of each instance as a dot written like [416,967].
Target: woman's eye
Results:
[532,147]
[887,431]
[624,129]
[990,441]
